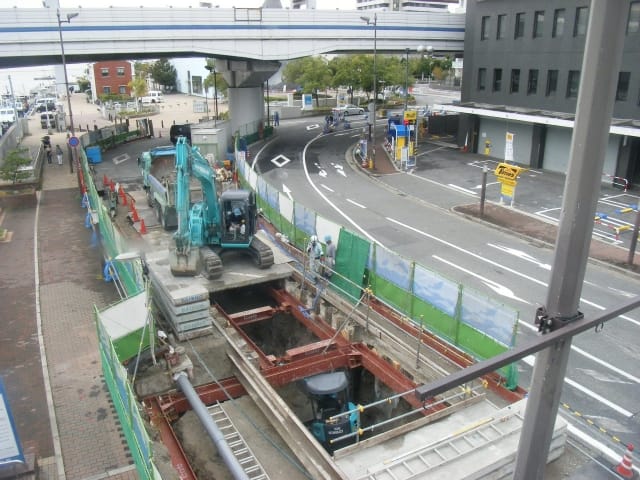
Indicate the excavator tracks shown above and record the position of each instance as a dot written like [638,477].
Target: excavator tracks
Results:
[261,253]
[211,263]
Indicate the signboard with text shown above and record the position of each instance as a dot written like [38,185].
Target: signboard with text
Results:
[10,448]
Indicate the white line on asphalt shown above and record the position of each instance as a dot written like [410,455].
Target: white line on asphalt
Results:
[530,360]
[496,287]
[462,189]
[326,188]
[355,203]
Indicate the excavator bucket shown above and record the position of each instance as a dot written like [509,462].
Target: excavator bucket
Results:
[184,264]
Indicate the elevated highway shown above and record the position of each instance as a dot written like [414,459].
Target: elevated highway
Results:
[30,36]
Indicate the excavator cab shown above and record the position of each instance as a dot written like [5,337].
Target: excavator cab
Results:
[238,218]
[329,395]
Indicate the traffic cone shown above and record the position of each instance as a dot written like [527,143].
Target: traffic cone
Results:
[625,468]
[143,228]
[123,195]
[134,214]
[105,180]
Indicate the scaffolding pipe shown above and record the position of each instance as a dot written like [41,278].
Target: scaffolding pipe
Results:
[210,426]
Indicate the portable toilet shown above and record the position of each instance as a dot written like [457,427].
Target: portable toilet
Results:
[94,155]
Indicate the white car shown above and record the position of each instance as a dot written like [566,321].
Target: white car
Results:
[351,110]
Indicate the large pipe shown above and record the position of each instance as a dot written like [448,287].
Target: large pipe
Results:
[210,426]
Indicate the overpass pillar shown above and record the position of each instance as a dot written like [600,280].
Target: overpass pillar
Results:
[245,79]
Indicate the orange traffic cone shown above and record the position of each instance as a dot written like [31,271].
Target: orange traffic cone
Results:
[105,180]
[625,468]
[134,214]
[143,227]
[124,196]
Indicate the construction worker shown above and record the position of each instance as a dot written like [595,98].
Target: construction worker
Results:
[314,250]
[329,257]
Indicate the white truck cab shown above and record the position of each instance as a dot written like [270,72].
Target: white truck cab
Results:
[153,96]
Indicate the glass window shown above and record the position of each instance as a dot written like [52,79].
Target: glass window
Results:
[484,29]
[120,71]
[573,82]
[519,25]
[552,82]
[515,80]
[502,27]
[633,24]
[497,79]
[538,24]
[622,91]
[122,89]
[104,72]
[582,17]
[532,83]
[106,90]
[558,22]
[482,78]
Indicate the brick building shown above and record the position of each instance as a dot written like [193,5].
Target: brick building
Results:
[111,78]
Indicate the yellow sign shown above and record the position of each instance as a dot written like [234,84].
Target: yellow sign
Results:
[410,115]
[507,190]
[504,171]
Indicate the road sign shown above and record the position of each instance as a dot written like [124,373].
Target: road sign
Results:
[410,115]
[504,171]
[74,141]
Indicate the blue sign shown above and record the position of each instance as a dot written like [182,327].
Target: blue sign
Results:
[74,141]
[10,448]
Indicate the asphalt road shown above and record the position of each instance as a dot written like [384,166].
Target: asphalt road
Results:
[410,213]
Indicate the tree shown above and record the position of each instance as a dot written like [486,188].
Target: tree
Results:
[312,73]
[215,80]
[164,74]
[12,167]
[138,86]
[83,84]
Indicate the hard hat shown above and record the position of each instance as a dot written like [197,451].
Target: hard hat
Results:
[236,211]
[313,238]
[327,238]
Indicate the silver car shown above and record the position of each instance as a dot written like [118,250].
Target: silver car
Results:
[351,110]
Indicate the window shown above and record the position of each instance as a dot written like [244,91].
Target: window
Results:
[622,91]
[633,24]
[501,30]
[515,80]
[482,78]
[538,24]
[120,71]
[106,90]
[558,23]
[519,25]
[484,29]
[552,82]
[582,17]
[573,82]
[122,89]
[104,72]
[497,79]
[532,83]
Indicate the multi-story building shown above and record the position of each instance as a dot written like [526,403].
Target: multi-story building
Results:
[111,78]
[522,62]
[406,5]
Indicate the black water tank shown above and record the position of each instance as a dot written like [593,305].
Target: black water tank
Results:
[180,130]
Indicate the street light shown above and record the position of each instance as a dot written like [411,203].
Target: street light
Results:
[66,79]
[406,80]
[372,157]
[212,69]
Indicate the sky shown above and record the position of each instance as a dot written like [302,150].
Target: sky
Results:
[22,79]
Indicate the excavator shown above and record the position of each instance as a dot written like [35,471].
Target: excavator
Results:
[214,225]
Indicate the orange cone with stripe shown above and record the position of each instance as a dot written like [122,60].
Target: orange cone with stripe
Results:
[134,214]
[625,468]
[143,227]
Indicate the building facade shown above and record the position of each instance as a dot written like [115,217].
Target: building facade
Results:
[522,63]
[111,78]
[410,5]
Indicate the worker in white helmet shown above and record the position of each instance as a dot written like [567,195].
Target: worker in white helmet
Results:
[314,250]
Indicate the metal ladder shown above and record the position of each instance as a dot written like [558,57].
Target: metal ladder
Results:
[417,463]
[238,446]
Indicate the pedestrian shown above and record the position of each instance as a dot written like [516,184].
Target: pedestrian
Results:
[314,250]
[329,257]
[59,154]
[276,119]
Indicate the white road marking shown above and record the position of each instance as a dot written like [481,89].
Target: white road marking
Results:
[326,188]
[313,126]
[530,361]
[496,287]
[117,160]
[355,203]
[287,191]
[477,187]
[280,161]
[322,173]
[521,255]
[462,189]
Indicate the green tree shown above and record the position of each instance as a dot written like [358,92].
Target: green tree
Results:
[164,74]
[215,80]
[83,84]
[138,86]
[312,73]
[11,169]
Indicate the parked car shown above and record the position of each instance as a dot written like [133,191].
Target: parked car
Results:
[350,110]
[154,96]
[48,120]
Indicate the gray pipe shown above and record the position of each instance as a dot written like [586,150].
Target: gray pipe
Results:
[210,426]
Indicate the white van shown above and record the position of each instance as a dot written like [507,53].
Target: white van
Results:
[154,96]
[7,115]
